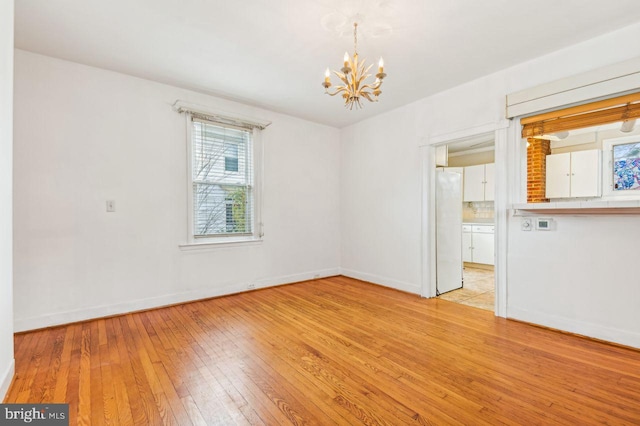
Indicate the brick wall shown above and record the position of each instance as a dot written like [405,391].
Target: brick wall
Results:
[536,170]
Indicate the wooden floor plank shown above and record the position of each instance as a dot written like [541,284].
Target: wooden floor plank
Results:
[227,373]
[150,413]
[276,369]
[331,351]
[305,360]
[60,389]
[73,380]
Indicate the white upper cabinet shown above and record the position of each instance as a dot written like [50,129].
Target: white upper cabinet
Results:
[585,173]
[573,174]
[489,182]
[558,175]
[479,183]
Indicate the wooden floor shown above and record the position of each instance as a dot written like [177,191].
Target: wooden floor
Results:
[331,351]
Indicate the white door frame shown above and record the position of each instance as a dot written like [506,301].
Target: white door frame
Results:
[428,260]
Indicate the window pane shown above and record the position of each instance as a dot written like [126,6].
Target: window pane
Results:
[231,157]
[218,150]
[222,209]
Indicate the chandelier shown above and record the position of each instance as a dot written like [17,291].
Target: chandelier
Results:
[354,76]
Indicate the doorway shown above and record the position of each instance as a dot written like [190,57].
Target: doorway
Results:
[465,215]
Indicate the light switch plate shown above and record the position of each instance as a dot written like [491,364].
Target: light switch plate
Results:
[111,206]
[526,224]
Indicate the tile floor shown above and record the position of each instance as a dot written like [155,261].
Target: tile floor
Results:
[478,289]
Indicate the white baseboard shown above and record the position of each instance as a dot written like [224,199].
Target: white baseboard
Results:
[59,318]
[5,379]
[596,331]
[384,281]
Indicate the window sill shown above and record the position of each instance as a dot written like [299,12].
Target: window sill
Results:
[610,207]
[224,243]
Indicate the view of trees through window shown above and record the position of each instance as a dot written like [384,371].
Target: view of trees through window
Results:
[222,179]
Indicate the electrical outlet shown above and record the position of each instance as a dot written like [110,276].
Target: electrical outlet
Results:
[111,206]
[526,224]
[251,286]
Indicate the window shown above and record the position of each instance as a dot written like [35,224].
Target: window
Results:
[612,169]
[626,166]
[222,179]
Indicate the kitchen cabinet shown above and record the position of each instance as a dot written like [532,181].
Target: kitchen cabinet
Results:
[478,243]
[479,183]
[573,174]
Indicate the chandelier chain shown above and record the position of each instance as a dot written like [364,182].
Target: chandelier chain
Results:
[355,38]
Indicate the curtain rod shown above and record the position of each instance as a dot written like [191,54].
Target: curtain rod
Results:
[222,117]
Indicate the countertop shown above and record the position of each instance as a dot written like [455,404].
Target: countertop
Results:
[478,222]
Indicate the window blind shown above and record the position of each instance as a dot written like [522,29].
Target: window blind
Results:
[222,175]
[607,111]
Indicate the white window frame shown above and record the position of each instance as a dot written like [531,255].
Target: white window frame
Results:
[257,153]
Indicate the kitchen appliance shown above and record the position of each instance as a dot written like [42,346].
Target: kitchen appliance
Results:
[448,229]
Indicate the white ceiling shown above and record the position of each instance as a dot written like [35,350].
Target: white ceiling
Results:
[273,53]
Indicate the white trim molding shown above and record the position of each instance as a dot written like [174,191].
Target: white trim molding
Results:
[501,208]
[596,331]
[464,133]
[500,132]
[616,79]
[223,289]
[380,280]
[6,378]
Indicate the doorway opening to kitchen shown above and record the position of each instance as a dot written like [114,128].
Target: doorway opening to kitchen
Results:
[465,229]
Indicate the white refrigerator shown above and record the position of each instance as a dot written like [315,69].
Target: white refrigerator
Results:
[448,229]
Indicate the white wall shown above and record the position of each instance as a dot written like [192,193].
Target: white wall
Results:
[85,135]
[6,160]
[550,280]
[380,201]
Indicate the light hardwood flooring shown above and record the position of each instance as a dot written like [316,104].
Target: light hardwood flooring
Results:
[478,290]
[333,351]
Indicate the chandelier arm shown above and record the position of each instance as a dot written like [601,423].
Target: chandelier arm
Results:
[373,86]
[339,89]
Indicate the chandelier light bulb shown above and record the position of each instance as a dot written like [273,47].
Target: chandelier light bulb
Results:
[381,65]
[346,59]
[327,80]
